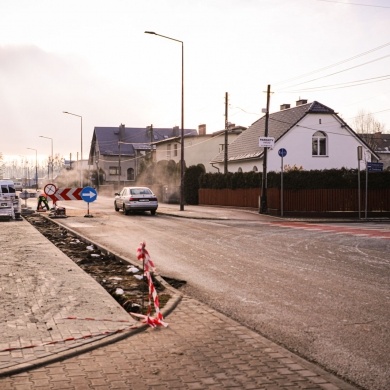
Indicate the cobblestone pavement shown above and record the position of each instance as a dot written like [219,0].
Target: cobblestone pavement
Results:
[200,349]
[40,288]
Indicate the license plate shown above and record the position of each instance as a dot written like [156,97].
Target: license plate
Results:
[4,204]
[143,200]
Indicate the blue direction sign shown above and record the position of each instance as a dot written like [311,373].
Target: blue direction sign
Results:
[375,167]
[88,194]
[282,152]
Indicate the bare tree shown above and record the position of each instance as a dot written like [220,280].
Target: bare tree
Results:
[367,127]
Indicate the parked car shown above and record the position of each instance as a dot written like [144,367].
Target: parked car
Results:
[132,199]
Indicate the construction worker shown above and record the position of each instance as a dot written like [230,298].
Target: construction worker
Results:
[42,199]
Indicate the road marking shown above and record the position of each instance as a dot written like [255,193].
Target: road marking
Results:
[80,225]
[355,231]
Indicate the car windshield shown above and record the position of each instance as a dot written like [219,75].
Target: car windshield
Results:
[140,191]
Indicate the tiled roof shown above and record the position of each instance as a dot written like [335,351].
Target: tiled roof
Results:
[131,138]
[377,141]
[246,145]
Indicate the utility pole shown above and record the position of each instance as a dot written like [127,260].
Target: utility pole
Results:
[263,199]
[121,127]
[151,134]
[225,167]
[360,157]
[70,164]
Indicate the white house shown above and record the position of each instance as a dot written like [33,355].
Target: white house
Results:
[314,136]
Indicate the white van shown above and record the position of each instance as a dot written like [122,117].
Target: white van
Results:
[10,206]
[7,187]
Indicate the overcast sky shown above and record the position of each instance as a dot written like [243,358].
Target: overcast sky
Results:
[92,58]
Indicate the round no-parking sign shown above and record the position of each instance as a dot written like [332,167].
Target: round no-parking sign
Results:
[50,189]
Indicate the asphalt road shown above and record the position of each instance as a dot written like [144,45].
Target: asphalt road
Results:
[322,291]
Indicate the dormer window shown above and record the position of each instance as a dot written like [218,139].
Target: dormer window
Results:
[319,144]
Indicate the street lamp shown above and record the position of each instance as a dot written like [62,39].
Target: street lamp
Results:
[182,117]
[52,160]
[81,151]
[36,168]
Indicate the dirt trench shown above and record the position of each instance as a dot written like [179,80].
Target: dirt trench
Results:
[122,280]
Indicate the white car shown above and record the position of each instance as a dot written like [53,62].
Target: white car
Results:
[132,199]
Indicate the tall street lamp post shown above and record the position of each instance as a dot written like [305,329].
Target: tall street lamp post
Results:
[36,168]
[182,117]
[81,143]
[52,159]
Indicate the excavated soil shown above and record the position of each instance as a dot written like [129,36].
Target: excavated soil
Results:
[122,280]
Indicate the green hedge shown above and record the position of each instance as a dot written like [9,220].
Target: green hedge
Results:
[316,179]
[191,183]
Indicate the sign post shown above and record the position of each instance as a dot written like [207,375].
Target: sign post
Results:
[282,153]
[365,201]
[371,167]
[88,194]
[360,157]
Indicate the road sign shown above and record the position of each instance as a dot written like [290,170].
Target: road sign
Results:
[88,194]
[375,167]
[282,152]
[266,142]
[68,194]
[50,189]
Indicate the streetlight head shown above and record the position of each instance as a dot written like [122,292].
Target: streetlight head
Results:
[65,112]
[150,32]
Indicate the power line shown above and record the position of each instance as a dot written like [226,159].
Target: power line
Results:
[335,64]
[340,71]
[348,84]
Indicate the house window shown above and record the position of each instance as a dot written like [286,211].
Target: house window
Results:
[113,170]
[175,150]
[319,144]
[239,170]
[130,174]
[168,151]
[255,169]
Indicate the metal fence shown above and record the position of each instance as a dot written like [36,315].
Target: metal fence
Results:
[300,201]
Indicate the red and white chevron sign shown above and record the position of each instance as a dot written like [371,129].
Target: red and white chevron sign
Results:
[68,194]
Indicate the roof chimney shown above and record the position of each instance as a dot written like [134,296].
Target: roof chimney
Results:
[202,129]
[284,107]
[300,102]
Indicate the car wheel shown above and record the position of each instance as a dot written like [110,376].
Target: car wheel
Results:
[125,211]
[153,212]
[116,207]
